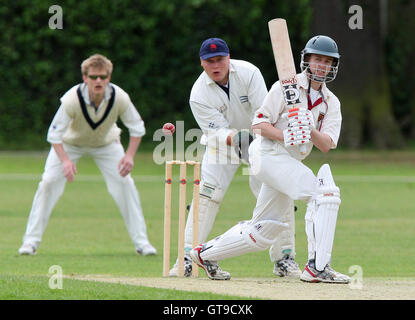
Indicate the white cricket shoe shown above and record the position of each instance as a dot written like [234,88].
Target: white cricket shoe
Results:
[27,249]
[187,267]
[287,267]
[147,250]
[328,275]
[212,268]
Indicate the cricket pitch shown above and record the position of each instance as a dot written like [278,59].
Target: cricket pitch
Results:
[275,288]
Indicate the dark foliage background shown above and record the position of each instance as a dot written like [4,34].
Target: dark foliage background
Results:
[154,46]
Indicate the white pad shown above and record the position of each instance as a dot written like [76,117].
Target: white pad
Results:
[210,198]
[321,217]
[208,210]
[243,238]
[285,243]
[262,234]
[325,225]
[309,228]
[211,192]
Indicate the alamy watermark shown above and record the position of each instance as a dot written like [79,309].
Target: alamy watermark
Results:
[193,145]
[56,20]
[356,20]
[356,279]
[56,277]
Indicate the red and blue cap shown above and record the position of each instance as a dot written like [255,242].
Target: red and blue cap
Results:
[213,47]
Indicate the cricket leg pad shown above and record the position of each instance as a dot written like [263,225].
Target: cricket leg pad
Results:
[209,201]
[309,228]
[285,243]
[243,238]
[327,203]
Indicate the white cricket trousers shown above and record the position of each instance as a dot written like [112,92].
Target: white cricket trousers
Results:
[284,179]
[219,176]
[122,189]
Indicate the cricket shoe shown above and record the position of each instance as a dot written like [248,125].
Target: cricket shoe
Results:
[328,275]
[27,249]
[187,268]
[287,267]
[212,268]
[147,250]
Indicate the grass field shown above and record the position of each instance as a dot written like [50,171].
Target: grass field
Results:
[87,236]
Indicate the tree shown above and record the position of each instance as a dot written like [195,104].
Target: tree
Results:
[154,46]
[363,84]
[400,48]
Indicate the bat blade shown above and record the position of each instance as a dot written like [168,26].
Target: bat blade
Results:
[281,48]
[284,61]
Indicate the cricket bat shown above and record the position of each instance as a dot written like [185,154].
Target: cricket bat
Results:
[284,61]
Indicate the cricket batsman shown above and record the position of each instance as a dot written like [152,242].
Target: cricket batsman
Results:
[224,100]
[284,177]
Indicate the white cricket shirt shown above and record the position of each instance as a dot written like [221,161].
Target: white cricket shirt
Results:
[327,116]
[216,114]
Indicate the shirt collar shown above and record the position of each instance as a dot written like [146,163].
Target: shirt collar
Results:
[87,99]
[303,82]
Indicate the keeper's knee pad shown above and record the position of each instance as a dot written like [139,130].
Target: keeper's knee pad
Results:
[211,192]
[209,201]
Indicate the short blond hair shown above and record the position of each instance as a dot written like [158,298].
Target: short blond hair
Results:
[96,61]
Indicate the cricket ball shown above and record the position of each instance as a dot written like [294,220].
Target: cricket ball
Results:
[168,129]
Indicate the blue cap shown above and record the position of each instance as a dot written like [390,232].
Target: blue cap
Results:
[213,47]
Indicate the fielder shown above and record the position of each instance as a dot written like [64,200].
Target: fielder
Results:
[284,177]
[85,123]
[224,100]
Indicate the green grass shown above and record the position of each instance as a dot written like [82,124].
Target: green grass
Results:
[37,288]
[86,233]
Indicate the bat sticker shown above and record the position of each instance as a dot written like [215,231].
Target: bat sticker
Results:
[292,95]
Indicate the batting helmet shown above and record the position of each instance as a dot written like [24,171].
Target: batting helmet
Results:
[322,45]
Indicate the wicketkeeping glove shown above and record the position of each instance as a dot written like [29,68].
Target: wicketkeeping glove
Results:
[241,142]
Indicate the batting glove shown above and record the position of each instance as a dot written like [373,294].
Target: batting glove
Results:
[296,135]
[300,117]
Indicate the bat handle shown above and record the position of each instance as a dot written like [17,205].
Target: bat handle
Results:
[303,149]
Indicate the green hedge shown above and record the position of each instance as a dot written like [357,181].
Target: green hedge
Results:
[154,46]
